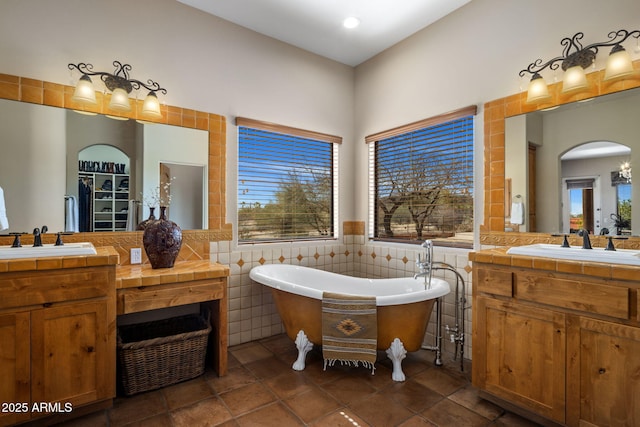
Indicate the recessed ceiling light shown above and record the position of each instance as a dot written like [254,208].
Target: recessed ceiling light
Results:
[351,22]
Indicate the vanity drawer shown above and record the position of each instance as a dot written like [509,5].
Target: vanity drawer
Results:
[23,289]
[494,281]
[133,300]
[596,298]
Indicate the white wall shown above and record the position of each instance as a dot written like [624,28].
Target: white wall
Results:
[204,62]
[30,155]
[469,57]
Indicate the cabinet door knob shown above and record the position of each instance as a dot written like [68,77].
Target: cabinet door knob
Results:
[602,371]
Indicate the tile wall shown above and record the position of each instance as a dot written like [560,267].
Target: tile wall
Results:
[252,312]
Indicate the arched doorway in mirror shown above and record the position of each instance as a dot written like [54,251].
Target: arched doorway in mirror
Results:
[103,189]
[596,195]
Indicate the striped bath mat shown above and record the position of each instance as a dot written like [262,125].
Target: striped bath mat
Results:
[349,330]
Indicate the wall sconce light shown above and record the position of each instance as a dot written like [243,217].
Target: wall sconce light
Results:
[625,171]
[575,58]
[120,86]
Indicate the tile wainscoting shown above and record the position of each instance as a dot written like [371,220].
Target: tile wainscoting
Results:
[252,312]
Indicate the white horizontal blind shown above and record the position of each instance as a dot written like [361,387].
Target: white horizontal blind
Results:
[424,182]
[285,186]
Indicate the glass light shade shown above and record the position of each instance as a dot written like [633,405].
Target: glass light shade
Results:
[538,90]
[574,79]
[151,106]
[618,64]
[120,100]
[84,93]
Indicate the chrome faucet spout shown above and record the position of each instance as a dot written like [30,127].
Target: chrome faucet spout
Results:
[586,243]
[425,265]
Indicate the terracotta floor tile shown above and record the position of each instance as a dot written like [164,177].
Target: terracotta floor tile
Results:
[236,377]
[250,352]
[98,419]
[280,344]
[417,421]
[349,390]
[512,420]
[160,420]
[261,388]
[186,393]
[468,397]
[312,404]
[128,409]
[439,381]
[448,413]
[381,410]
[206,412]
[247,398]
[341,418]
[289,384]
[413,395]
[269,367]
[316,373]
[275,415]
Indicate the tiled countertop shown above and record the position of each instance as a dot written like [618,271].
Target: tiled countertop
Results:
[130,276]
[106,255]
[499,256]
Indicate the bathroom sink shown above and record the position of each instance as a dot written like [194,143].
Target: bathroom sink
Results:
[619,256]
[81,248]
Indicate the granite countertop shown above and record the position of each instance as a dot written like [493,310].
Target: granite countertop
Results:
[130,276]
[499,256]
[106,255]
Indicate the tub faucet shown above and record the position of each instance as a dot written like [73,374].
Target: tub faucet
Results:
[586,243]
[425,265]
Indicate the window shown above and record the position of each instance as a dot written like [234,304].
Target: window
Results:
[622,218]
[421,181]
[581,204]
[287,183]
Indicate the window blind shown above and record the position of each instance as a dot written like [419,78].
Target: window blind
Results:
[424,182]
[285,186]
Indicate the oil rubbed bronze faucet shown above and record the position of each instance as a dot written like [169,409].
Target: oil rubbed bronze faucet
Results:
[37,235]
[586,243]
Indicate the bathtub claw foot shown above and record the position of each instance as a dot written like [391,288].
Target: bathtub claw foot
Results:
[304,346]
[396,352]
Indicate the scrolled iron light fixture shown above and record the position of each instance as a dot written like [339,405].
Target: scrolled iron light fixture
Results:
[575,58]
[120,85]
[625,171]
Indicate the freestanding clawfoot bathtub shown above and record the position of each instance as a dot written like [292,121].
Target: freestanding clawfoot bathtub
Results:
[404,306]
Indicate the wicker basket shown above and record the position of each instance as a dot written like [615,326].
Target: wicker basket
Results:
[159,353]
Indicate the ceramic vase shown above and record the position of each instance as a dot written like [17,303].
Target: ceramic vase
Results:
[162,240]
[142,225]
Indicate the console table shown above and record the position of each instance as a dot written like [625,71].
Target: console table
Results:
[142,288]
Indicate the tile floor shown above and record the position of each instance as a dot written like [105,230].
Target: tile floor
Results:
[261,389]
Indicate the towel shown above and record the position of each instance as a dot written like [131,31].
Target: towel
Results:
[349,330]
[71,214]
[132,215]
[517,213]
[4,221]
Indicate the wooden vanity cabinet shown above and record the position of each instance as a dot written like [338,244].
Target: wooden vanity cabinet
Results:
[15,366]
[57,342]
[603,380]
[563,347]
[523,361]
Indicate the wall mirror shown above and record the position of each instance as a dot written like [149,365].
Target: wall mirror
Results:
[563,165]
[47,151]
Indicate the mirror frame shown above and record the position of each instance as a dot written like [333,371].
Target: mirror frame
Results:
[495,112]
[41,92]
